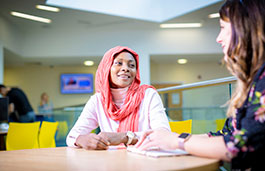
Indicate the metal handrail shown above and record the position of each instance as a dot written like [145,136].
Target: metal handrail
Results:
[198,84]
[198,108]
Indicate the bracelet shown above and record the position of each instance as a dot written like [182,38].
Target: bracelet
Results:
[182,139]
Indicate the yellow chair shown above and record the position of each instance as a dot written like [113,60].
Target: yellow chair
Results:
[181,126]
[47,133]
[220,124]
[22,136]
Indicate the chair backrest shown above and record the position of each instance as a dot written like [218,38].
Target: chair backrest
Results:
[181,126]
[220,124]
[47,134]
[22,136]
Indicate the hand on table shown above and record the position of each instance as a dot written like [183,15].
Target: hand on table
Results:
[114,138]
[92,141]
[160,138]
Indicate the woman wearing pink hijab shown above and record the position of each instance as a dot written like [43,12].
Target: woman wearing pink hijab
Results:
[121,107]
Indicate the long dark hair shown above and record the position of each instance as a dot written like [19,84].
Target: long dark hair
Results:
[246,49]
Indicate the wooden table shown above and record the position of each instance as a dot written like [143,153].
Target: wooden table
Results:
[66,158]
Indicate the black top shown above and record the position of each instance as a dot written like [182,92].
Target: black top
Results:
[245,135]
[20,100]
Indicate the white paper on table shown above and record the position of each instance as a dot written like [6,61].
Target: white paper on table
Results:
[155,152]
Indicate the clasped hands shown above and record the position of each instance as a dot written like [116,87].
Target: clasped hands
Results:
[159,138]
[102,140]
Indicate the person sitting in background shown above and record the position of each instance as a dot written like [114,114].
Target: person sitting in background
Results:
[121,107]
[45,106]
[242,139]
[20,109]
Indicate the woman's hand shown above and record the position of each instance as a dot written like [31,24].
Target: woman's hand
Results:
[92,141]
[160,138]
[114,138]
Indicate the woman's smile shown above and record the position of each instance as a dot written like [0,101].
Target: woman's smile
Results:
[123,70]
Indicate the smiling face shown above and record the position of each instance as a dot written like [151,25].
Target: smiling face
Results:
[123,70]
[224,37]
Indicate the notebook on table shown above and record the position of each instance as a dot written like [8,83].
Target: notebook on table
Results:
[155,152]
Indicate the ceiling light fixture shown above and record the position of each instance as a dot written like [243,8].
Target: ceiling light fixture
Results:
[214,15]
[182,61]
[88,63]
[31,17]
[47,8]
[181,25]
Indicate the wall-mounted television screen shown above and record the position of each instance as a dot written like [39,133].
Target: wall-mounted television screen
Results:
[76,83]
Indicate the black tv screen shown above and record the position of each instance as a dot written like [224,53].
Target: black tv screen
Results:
[76,83]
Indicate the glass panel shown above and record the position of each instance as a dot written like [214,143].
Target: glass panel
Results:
[206,106]
[66,118]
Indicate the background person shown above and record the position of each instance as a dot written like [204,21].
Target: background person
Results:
[121,107]
[20,109]
[46,105]
[242,139]
[45,108]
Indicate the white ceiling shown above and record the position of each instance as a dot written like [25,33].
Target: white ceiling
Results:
[75,19]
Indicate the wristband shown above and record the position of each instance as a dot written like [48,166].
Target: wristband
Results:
[130,136]
[182,138]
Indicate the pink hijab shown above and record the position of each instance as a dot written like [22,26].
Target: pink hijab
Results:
[128,114]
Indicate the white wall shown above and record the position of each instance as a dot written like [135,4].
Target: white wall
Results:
[10,36]
[188,73]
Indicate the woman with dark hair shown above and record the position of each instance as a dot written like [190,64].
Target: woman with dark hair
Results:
[19,108]
[242,139]
[121,107]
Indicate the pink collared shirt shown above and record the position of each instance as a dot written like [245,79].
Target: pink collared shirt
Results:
[151,116]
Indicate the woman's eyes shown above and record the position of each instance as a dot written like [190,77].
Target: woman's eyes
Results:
[118,63]
[130,65]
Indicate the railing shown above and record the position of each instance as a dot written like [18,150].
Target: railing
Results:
[221,81]
[203,102]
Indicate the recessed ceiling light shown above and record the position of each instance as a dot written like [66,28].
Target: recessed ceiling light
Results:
[182,61]
[88,63]
[31,17]
[214,15]
[181,25]
[47,8]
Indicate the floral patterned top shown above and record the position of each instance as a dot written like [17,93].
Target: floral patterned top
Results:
[245,135]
